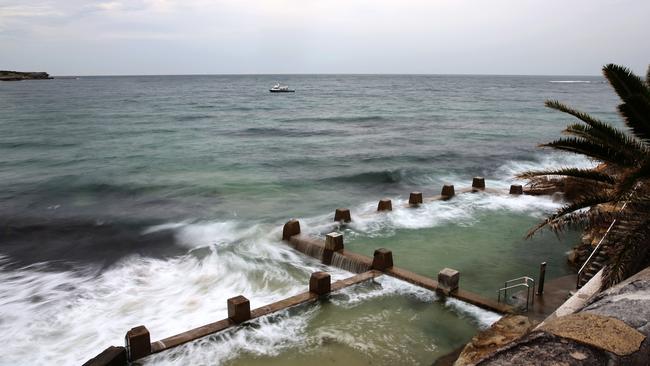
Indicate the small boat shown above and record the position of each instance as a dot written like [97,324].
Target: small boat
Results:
[277,88]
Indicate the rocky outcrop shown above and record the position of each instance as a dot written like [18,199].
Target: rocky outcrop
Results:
[603,332]
[546,349]
[613,329]
[501,333]
[17,75]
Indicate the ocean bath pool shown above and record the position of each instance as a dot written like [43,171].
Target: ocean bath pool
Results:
[377,322]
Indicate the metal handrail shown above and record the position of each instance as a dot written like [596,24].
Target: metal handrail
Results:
[525,278]
[527,282]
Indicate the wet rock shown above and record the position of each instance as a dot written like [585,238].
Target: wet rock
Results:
[629,301]
[504,331]
[603,332]
[612,329]
[546,349]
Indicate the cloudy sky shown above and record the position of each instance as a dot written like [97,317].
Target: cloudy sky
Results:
[98,37]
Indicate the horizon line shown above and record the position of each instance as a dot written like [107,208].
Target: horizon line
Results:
[320,74]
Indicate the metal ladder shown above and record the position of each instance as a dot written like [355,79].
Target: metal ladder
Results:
[524,281]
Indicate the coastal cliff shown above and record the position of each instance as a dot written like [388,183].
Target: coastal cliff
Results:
[6,75]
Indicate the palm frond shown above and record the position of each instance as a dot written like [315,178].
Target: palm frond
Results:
[613,138]
[558,221]
[593,150]
[588,174]
[636,113]
[624,81]
[630,253]
[591,121]
[635,95]
[628,182]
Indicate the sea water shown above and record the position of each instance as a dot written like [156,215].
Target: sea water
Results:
[152,199]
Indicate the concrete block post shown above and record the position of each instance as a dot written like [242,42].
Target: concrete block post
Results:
[137,343]
[111,356]
[448,280]
[382,259]
[415,198]
[342,215]
[478,183]
[334,241]
[516,189]
[291,228]
[320,283]
[239,309]
[447,191]
[385,205]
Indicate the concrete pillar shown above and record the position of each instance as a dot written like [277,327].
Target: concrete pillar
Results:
[291,228]
[478,183]
[415,198]
[320,283]
[540,280]
[239,309]
[327,257]
[516,189]
[137,343]
[448,280]
[342,215]
[334,241]
[385,205]
[382,259]
[448,191]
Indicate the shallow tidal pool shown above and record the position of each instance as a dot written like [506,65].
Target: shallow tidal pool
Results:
[380,322]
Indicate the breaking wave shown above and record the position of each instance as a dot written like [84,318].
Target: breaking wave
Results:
[75,314]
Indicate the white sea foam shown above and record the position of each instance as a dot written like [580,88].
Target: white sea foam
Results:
[381,286]
[73,315]
[510,169]
[203,234]
[483,318]
[267,336]
[463,210]
[288,329]
[570,81]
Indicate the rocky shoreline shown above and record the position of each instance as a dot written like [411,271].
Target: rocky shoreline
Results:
[6,75]
[611,328]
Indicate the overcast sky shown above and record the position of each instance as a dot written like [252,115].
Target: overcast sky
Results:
[557,37]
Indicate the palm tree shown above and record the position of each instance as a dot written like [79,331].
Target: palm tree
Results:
[619,187]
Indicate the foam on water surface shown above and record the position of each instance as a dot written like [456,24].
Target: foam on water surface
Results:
[73,315]
[356,326]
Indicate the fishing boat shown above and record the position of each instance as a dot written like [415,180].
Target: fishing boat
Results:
[277,88]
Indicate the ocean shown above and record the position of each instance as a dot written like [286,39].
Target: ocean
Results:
[150,200]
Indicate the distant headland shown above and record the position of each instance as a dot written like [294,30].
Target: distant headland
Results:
[6,75]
